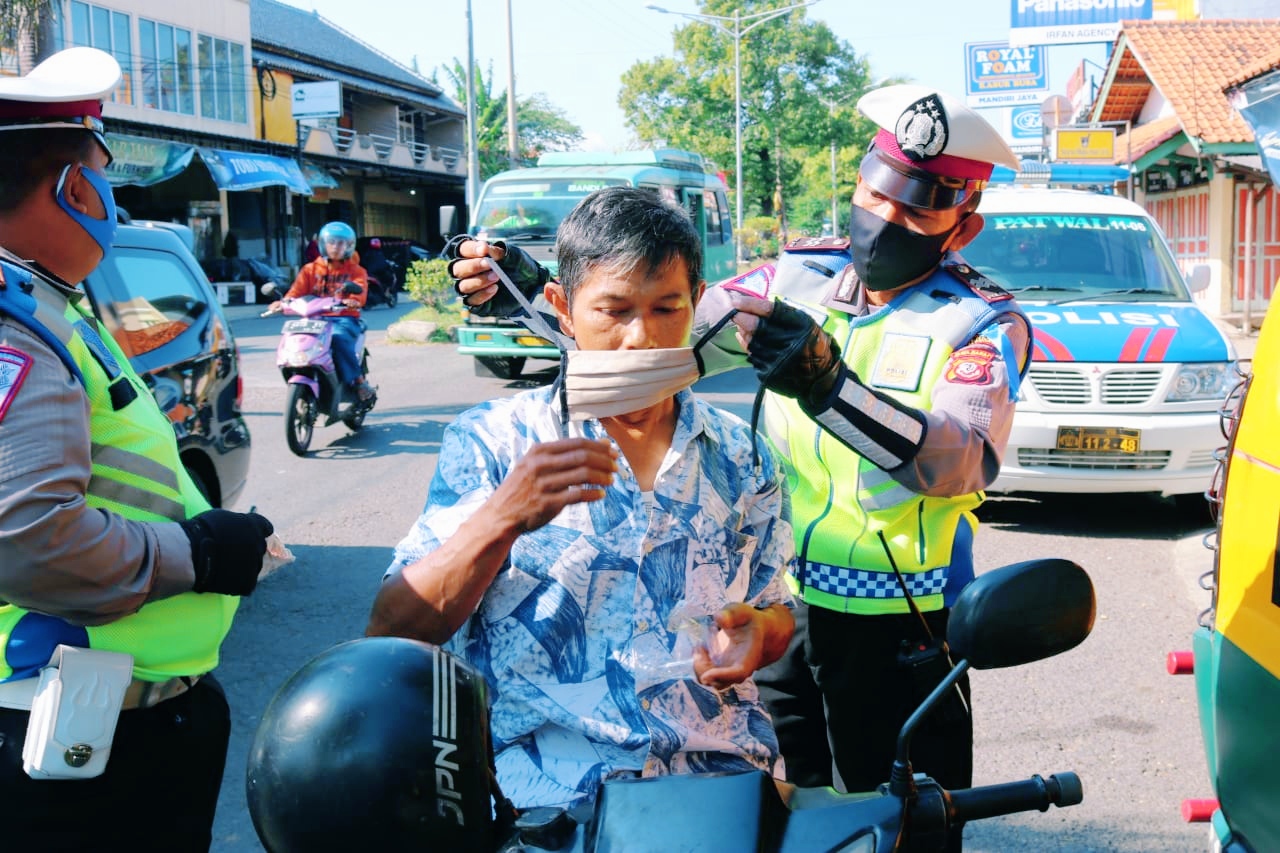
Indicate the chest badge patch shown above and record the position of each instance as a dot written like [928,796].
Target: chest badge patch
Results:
[900,362]
[14,366]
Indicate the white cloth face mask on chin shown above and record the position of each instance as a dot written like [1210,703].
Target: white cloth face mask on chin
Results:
[606,383]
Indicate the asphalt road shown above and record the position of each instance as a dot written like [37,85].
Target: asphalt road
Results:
[1106,710]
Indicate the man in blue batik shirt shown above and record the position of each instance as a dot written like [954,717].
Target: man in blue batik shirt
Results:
[608,551]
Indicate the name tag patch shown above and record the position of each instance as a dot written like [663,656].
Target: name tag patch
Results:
[14,366]
[901,361]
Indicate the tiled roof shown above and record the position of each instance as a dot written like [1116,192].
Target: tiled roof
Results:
[1262,66]
[1189,62]
[309,36]
[1145,137]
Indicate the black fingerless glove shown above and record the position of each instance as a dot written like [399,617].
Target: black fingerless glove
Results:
[793,356]
[525,273]
[227,550]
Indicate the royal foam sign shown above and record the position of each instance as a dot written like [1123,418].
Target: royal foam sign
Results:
[998,74]
[1040,22]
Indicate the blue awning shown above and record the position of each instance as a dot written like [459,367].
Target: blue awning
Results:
[318,176]
[142,161]
[1259,105]
[243,170]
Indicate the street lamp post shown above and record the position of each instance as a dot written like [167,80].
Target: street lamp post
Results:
[738,31]
[831,104]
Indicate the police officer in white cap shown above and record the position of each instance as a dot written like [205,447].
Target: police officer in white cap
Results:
[118,582]
[892,382]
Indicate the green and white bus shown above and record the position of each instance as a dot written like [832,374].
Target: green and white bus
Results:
[526,206]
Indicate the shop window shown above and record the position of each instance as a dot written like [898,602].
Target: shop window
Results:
[166,67]
[223,79]
[94,26]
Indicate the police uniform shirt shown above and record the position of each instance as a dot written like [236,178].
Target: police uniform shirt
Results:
[58,555]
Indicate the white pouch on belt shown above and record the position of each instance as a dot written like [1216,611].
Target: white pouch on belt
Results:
[74,713]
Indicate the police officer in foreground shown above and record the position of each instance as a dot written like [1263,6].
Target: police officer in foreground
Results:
[892,368]
[118,583]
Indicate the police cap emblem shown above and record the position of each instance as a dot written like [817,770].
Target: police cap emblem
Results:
[922,130]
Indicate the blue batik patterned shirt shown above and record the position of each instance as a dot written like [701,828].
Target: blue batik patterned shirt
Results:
[585,636]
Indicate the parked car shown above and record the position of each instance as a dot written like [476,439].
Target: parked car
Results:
[156,302]
[1128,373]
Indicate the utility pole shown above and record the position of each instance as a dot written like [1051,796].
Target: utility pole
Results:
[473,156]
[512,149]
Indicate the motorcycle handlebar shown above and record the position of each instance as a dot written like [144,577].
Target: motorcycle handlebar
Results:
[1060,789]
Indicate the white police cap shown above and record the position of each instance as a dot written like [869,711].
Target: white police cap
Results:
[64,91]
[932,151]
[908,111]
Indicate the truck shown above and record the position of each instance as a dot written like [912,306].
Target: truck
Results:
[525,207]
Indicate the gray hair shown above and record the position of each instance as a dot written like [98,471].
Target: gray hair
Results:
[621,229]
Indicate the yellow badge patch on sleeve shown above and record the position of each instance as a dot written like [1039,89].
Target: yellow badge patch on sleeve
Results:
[14,366]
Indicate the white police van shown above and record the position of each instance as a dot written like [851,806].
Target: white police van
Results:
[1128,373]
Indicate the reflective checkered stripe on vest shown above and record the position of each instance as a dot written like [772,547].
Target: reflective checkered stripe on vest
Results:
[840,502]
[136,473]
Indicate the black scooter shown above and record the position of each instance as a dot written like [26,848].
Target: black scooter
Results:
[383,292]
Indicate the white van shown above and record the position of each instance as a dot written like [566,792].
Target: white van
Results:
[1128,373]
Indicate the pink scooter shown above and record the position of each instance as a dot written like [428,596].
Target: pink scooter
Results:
[306,362]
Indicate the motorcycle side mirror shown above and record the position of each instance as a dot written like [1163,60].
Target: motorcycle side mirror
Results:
[1021,613]
[1009,616]
[448,220]
[268,289]
[351,289]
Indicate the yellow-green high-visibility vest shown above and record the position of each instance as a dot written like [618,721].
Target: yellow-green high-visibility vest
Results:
[136,473]
[842,504]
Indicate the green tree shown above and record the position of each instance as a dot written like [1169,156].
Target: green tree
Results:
[792,69]
[540,125]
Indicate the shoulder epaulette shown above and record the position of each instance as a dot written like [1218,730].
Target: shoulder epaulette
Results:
[984,287]
[818,244]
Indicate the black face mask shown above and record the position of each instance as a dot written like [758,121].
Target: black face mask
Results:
[887,255]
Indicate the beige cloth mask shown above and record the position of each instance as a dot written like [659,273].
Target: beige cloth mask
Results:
[606,383]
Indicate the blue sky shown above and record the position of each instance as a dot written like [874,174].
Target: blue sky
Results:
[575,51]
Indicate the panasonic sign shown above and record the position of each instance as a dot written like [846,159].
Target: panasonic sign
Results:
[1037,22]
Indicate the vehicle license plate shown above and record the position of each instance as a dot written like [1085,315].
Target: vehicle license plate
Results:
[304,327]
[1099,439]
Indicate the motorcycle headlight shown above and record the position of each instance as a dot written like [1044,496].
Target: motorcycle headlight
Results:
[1200,382]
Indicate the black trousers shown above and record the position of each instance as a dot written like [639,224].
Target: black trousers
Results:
[158,793]
[839,697]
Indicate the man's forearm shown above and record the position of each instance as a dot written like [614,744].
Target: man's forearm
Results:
[430,599]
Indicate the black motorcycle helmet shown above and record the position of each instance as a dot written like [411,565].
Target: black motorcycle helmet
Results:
[379,744]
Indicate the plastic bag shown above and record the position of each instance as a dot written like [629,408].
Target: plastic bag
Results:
[651,662]
[278,554]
